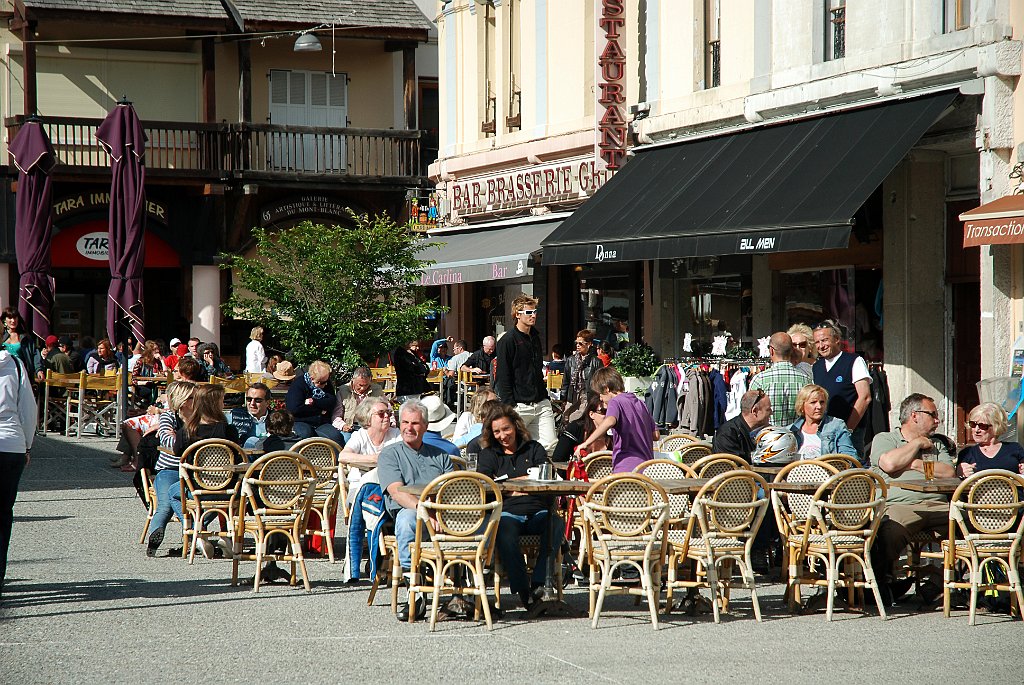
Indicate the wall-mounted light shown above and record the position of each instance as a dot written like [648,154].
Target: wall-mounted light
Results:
[307,42]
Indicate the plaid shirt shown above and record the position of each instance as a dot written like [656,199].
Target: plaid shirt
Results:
[781,382]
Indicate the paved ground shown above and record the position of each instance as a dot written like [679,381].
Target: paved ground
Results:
[85,604]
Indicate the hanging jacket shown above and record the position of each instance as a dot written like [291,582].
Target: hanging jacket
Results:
[367,519]
[721,397]
[661,398]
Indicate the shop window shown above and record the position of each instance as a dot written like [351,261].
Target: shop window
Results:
[850,297]
[835,29]
[956,15]
[713,307]
[607,306]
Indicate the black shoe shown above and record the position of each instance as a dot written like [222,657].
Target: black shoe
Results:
[421,610]
[526,599]
[155,538]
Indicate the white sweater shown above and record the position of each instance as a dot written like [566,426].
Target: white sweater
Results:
[255,357]
[17,406]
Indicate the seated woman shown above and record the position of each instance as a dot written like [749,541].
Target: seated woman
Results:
[103,359]
[206,421]
[146,368]
[470,424]
[165,480]
[280,433]
[986,423]
[311,399]
[817,434]
[507,450]
[209,355]
[374,415]
[575,431]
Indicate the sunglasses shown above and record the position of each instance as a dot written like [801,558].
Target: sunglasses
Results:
[979,425]
[581,343]
[383,414]
[259,400]
[801,345]
[528,312]
[933,414]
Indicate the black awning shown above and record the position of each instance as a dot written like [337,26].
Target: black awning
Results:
[787,187]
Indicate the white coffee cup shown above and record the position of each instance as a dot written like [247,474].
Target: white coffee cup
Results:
[533,472]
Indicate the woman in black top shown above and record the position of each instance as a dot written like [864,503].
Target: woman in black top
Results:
[508,452]
[577,431]
[207,420]
[410,371]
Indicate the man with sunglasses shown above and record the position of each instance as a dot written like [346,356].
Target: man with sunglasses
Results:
[735,436]
[781,381]
[519,376]
[897,457]
[251,420]
[845,376]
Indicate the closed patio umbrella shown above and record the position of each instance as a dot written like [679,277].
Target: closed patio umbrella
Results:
[33,155]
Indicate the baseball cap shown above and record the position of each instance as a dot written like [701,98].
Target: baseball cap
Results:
[51,340]
[175,342]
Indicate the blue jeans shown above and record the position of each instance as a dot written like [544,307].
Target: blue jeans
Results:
[510,527]
[324,430]
[168,498]
[12,464]
[405,533]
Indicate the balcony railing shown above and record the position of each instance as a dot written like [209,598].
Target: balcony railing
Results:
[240,150]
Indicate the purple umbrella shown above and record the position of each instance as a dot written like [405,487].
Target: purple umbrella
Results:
[34,157]
[121,135]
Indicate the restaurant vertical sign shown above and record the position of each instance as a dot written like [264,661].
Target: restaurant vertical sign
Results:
[612,129]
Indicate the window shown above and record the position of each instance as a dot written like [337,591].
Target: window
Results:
[835,29]
[713,47]
[956,15]
[308,99]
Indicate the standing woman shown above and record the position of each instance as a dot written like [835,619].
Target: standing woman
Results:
[255,355]
[17,430]
[18,342]
[633,429]
[579,369]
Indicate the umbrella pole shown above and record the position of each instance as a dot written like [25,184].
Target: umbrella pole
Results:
[123,404]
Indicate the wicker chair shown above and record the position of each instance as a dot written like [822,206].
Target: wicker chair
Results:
[842,520]
[841,461]
[692,453]
[389,571]
[457,503]
[986,512]
[55,402]
[209,476]
[277,493]
[675,441]
[726,516]
[625,518]
[717,464]
[597,465]
[323,453]
[791,511]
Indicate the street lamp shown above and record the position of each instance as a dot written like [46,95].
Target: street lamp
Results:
[307,42]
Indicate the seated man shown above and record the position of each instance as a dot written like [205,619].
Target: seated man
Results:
[409,462]
[734,436]
[350,396]
[897,457]
[251,420]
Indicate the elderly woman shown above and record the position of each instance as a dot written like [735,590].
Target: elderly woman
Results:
[255,355]
[818,434]
[985,424]
[374,415]
[804,352]
[579,368]
[311,400]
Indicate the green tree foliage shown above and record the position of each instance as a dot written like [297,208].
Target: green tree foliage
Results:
[341,294]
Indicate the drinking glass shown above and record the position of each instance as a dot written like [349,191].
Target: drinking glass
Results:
[471,460]
[928,460]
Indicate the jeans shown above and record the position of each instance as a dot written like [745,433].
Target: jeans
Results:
[168,498]
[325,430]
[12,464]
[540,421]
[405,533]
[510,527]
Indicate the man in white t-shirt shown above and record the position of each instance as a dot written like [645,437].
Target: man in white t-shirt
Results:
[459,356]
[845,376]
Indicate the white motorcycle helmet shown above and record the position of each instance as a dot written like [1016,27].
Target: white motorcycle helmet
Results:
[775,445]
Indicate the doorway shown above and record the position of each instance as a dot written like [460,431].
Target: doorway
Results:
[963,277]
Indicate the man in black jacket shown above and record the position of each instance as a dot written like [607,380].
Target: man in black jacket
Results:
[519,376]
[734,436]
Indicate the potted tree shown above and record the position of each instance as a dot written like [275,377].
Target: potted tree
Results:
[637,364]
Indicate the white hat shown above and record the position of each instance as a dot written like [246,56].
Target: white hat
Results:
[439,416]
[174,342]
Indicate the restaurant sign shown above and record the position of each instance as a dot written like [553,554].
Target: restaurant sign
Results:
[72,205]
[470,273]
[536,185]
[612,129]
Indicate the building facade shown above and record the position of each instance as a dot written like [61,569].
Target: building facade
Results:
[246,128]
[789,161]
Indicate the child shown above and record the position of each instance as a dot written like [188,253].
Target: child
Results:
[633,429]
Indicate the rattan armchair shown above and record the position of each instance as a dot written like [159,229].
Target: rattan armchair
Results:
[691,453]
[456,523]
[986,511]
[209,483]
[727,514]
[675,441]
[276,497]
[625,517]
[323,453]
[842,520]
[716,464]
[840,461]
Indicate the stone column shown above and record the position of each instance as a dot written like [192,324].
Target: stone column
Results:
[206,301]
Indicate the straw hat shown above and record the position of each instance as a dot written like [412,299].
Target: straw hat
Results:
[439,416]
[285,371]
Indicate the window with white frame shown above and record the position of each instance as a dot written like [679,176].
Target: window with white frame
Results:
[835,29]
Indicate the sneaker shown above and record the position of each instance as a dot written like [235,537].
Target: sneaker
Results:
[155,538]
[207,547]
[420,610]
[223,548]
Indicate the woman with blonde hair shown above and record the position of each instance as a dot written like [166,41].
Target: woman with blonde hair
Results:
[207,420]
[985,424]
[804,352]
[255,355]
[816,433]
[311,399]
[470,424]
[165,479]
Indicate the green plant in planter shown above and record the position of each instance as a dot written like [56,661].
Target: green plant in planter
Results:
[637,360]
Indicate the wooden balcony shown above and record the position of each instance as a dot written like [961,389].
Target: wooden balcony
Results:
[246,151]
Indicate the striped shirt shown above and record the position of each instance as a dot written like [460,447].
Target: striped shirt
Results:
[166,433]
[781,382]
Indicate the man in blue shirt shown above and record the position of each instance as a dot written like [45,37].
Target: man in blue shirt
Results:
[439,417]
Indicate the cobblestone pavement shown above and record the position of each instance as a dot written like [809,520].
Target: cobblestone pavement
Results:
[84,604]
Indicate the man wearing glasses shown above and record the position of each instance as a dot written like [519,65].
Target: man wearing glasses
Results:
[845,376]
[576,379]
[519,377]
[251,420]
[735,436]
[897,457]
[782,381]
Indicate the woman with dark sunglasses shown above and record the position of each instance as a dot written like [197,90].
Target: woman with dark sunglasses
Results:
[985,424]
